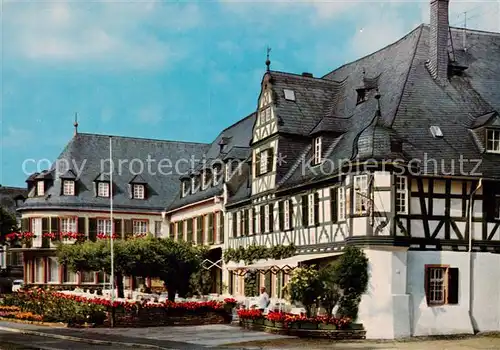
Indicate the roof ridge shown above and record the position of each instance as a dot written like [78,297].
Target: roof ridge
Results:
[140,138]
[375,52]
[318,79]
[473,30]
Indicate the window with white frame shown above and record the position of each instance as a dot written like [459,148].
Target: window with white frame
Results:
[341,203]
[69,276]
[263,162]
[266,218]
[287,213]
[493,141]
[104,226]
[39,270]
[158,228]
[103,189]
[53,270]
[206,179]
[317,150]
[40,188]
[68,188]
[265,99]
[310,208]
[228,170]
[69,225]
[360,194]
[239,232]
[256,217]
[87,276]
[185,188]
[36,229]
[140,227]
[265,115]
[401,195]
[138,191]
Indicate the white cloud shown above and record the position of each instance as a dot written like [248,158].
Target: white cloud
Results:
[150,114]
[103,34]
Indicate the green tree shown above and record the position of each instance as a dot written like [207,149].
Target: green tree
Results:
[305,287]
[201,280]
[330,291]
[8,223]
[351,276]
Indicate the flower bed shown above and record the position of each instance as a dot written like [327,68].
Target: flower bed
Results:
[299,325]
[76,310]
[16,313]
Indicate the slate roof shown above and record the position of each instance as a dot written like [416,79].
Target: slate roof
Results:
[236,140]
[8,196]
[89,151]
[410,102]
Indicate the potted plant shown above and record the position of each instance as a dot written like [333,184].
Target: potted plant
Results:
[277,318]
[327,324]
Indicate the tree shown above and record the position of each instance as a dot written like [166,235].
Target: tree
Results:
[351,276]
[330,291]
[8,223]
[201,280]
[305,287]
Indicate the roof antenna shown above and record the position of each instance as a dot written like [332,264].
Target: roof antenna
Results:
[268,62]
[75,124]
[465,32]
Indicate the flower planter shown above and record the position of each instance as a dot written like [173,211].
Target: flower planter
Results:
[308,325]
[279,325]
[268,323]
[327,327]
[258,321]
[356,326]
[294,325]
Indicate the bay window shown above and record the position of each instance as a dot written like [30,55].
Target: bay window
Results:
[360,194]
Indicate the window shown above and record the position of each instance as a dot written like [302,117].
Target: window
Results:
[266,218]
[287,214]
[39,270]
[289,94]
[158,228]
[361,96]
[185,188]
[87,276]
[194,184]
[266,98]
[317,150]
[263,162]
[206,179]
[140,227]
[401,195]
[69,276]
[333,204]
[305,210]
[311,209]
[138,191]
[270,219]
[103,189]
[40,188]
[217,174]
[493,141]
[341,203]
[238,227]
[104,226]
[228,171]
[441,285]
[360,194]
[69,225]
[36,229]
[68,188]
[256,226]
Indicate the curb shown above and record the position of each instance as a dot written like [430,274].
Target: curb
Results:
[82,340]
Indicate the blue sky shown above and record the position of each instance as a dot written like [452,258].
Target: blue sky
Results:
[173,70]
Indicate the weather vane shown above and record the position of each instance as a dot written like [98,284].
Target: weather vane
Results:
[268,62]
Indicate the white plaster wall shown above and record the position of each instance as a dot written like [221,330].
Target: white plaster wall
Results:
[382,179]
[438,320]
[194,211]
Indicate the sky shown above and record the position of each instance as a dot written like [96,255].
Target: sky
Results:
[174,70]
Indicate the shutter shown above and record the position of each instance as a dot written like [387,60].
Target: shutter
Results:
[316,208]
[247,215]
[128,228]
[333,204]
[270,159]
[453,285]
[118,230]
[81,225]
[180,230]
[267,283]
[257,164]
[279,283]
[427,285]
[235,225]
[242,222]
[211,228]
[25,225]
[262,219]
[199,230]
[171,233]
[221,227]
[304,211]
[230,287]
[45,225]
[92,229]
[290,213]
[271,217]
[54,225]
[189,230]
[281,216]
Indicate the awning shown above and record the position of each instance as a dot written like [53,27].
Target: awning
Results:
[291,262]
[234,266]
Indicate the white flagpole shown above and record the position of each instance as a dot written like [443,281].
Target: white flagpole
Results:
[111,169]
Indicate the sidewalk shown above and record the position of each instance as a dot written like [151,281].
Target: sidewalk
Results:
[86,336]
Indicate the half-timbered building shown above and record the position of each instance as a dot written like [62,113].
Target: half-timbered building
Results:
[399,153]
[72,200]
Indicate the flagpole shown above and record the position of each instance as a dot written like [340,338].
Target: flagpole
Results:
[111,169]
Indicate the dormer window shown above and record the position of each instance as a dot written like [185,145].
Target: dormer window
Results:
[493,141]
[40,188]
[185,188]
[206,178]
[361,96]
[68,187]
[317,150]
[138,191]
[217,174]
[194,184]
[103,189]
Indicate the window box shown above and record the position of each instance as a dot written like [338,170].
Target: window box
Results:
[308,325]
[268,323]
[259,321]
[327,327]
[279,325]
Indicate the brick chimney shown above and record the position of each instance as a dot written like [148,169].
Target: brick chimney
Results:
[438,40]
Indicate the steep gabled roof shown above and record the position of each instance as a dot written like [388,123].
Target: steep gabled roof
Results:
[88,156]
